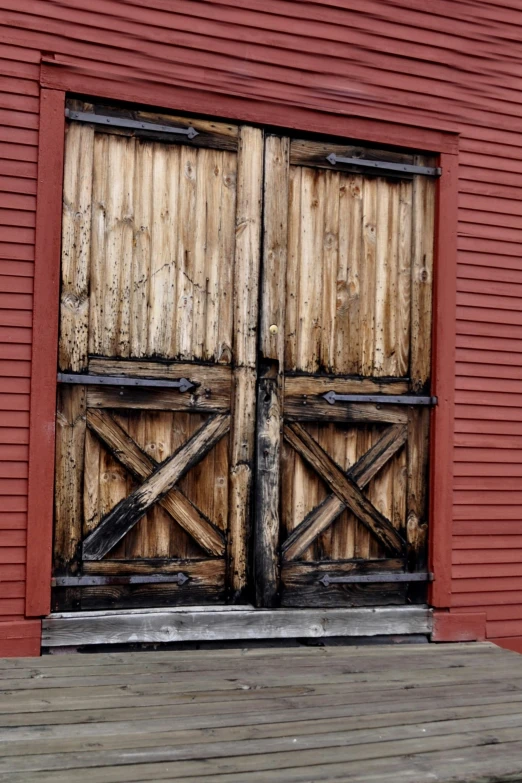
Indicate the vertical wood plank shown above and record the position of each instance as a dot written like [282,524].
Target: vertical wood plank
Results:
[270,391]
[347,331]
[223,349]
[70,451]
[417,493]
[91,484]
[98,242]
[310,270]
[199,279]
[423,217]
[275,243]
[381,307]
[246,290]
[162,280]
[268,471]
[368,259]
[329,272]
[76,245]
[188,181]
[141,259]
[214,229]
[292,272]
[403,314]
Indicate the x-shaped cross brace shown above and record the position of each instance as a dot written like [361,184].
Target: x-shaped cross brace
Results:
[158,485]
[346,490]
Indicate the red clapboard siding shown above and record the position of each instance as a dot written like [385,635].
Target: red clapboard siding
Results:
[455,65]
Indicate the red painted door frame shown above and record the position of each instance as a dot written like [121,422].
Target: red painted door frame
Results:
[59,78]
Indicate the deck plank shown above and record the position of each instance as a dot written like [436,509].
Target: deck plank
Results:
[408,713]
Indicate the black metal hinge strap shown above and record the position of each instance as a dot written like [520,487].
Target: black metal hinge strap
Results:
[384,165]
[327,580]
[97,581]
[183,384]
[123,122]
[332,397]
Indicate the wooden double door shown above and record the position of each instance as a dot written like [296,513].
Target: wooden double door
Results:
[244,367]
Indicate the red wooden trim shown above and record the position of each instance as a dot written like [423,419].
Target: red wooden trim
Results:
[69,78]
[461,627]
[57,78]
[20,638]
[44,357]
[443,372]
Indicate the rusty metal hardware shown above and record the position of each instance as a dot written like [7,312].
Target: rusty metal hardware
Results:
[183,384]
[385,166]
[123,122]
[332,397]
[96,581]
[328,580]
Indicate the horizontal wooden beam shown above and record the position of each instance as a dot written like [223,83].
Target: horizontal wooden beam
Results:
[222,623]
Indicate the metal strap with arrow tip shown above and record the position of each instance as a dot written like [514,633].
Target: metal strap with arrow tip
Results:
[95,581]
[328,580]
[183,384]
[123,122]
[384,165]
[332,397]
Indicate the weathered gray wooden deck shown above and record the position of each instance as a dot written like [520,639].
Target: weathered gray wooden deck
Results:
[400,714]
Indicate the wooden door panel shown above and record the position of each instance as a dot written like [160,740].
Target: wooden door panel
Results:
[337,407]
[156,403]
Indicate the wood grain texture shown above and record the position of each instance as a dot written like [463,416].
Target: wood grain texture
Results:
[76,242]
[344,488]
[267,492]
[237,624]
[245,317]
[208,537]
[320,518]
[70,439]
[162,232]
[423,216]
[122,518]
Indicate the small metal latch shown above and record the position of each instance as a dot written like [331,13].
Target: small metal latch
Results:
[384,165]
[332,397]
[124,122]
[328,580]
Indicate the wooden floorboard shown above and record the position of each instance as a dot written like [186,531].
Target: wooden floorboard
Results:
[367,714]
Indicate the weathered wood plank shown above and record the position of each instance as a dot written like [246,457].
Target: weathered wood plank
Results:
[270,388]
[177,505]
[76,245]
[125,515]
[268,445]
[238,624]
[137,398]
[417,488]
[216,379]
[296,385]
[361,473]
[68,502]
[301,585]
[300,409]
[308,152]
[275,241]
[219,135]
[245,312]
[423,221]
[346,489]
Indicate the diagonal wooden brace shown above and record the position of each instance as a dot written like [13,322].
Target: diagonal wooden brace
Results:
[127,512]
[127,452]
[346,489]
[326,512]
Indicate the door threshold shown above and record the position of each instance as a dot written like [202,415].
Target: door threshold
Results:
[225,623]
